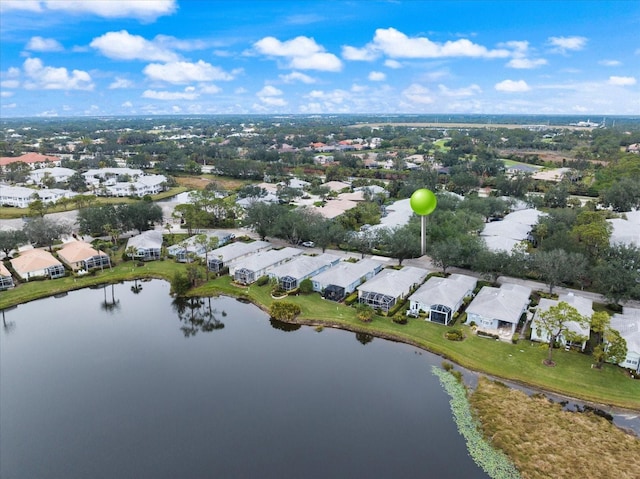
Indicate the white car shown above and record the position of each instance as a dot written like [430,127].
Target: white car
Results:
[308,244]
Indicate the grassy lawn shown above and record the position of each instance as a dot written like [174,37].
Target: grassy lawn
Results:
[523,362]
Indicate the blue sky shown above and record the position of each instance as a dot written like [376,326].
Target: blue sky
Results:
[147,57]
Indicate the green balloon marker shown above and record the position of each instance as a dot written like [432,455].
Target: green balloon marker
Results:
[423,202]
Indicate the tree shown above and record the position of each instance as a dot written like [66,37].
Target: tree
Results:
[95,219]
[306,286]
[262,217]
[11,239]
[592,232]
[402,243]
[613,349]
[141,215]
[37,207]
[207,243]
[554,323]
[44,231]
[616,275]
[445,254]
[556,267]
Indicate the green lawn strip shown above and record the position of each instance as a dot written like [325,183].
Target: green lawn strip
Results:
[572,376]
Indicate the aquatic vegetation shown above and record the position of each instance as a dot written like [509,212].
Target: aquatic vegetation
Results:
[494,462]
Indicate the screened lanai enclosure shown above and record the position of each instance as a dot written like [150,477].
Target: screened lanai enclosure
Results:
[215,264]
[244,276]
[56,271]
[380,301]
[288,283]
[97,261]
[334,293]
[439,313]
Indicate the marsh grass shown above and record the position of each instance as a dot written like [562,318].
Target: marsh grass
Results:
[545,442]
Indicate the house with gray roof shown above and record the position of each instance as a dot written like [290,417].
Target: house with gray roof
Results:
[498,310]
[628,325]
[512,230]
[583,305]
[227,255]
[390,286]
[248,270]
[344,278]
[291,273]
[441,298]
[180,251]
[148,245]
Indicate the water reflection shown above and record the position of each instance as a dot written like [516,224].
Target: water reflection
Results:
[364,338]
[7,326]
[196,314]
[282,326]
[137,287]
[110,305]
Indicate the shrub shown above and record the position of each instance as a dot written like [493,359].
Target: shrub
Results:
[515,338]
[284,310]
[447,366]
[364,312]
[454,335]
[306,286]
[262,280]
[400,319]
[352,298]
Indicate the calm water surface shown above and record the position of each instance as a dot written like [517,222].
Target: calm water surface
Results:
[116,383]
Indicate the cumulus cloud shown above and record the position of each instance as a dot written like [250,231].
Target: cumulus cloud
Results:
[294,77]
[51,78]
[563,44]
[621,81]
[417,94]
[303,53]
[459,92]
[521,55]
[120,83]
[395,64]
[124,46]
[377,76]
[40,44]
[9,84]
[189,93]
[127,104]
[526,63]
[145,10]
[610,63]
[271,96]
[395,44]
[185,72]
[6,94]
[512,86]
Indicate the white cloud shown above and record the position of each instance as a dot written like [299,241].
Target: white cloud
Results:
[6,94]
[297,77]
[146,10]
[124,46]
[526,63]
[10,84]
[127,104]
[271,96]
[621,81]
[51,78]
[269,90]
[418,94]
[460,92]
[358,54]
[40,44]
[395,64]
[210,89]
[303,53]
[610,63]
[185,72]
[29,5]
[512,86]
[120,83]
[377,76]
[187,94]
[395,44]
[562,44]
[9,105]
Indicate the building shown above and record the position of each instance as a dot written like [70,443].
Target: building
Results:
[79,255]
[583,305]
[37,263]
[22,197]
[57,173]
[498,310]
[227,255]
[344,278]
[511,231]
[34,160]
[6,280]
[248,270]
[628,325]
[181,251]
[390,286]
[147,245]
[441,298]
[290,274]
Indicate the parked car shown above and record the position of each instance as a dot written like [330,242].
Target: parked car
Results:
[308,244]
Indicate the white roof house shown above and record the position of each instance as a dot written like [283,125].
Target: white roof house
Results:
[628,325]
[583,305]
[143,185]
[514,228]
[626,231]
[345,277]
[228,254]
[58,173]
[181,250]
[385,289]
[291,273]
[248,270]
[442,297]
[148,245]
[109,175]
[21,197]
[499,309]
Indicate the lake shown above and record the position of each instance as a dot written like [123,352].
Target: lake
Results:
[123,382]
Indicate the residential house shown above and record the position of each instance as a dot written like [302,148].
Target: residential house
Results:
[79,255]
[390,286]
[498,310]
[147,245]
[57,173]
[6,280]
[290,274]
[182,250]
[583,305]
[21,197]
[442,298]
[248,270]
[229,254]
[628,325]
[512,230]
[34,160]
[37,263]
[344,278]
